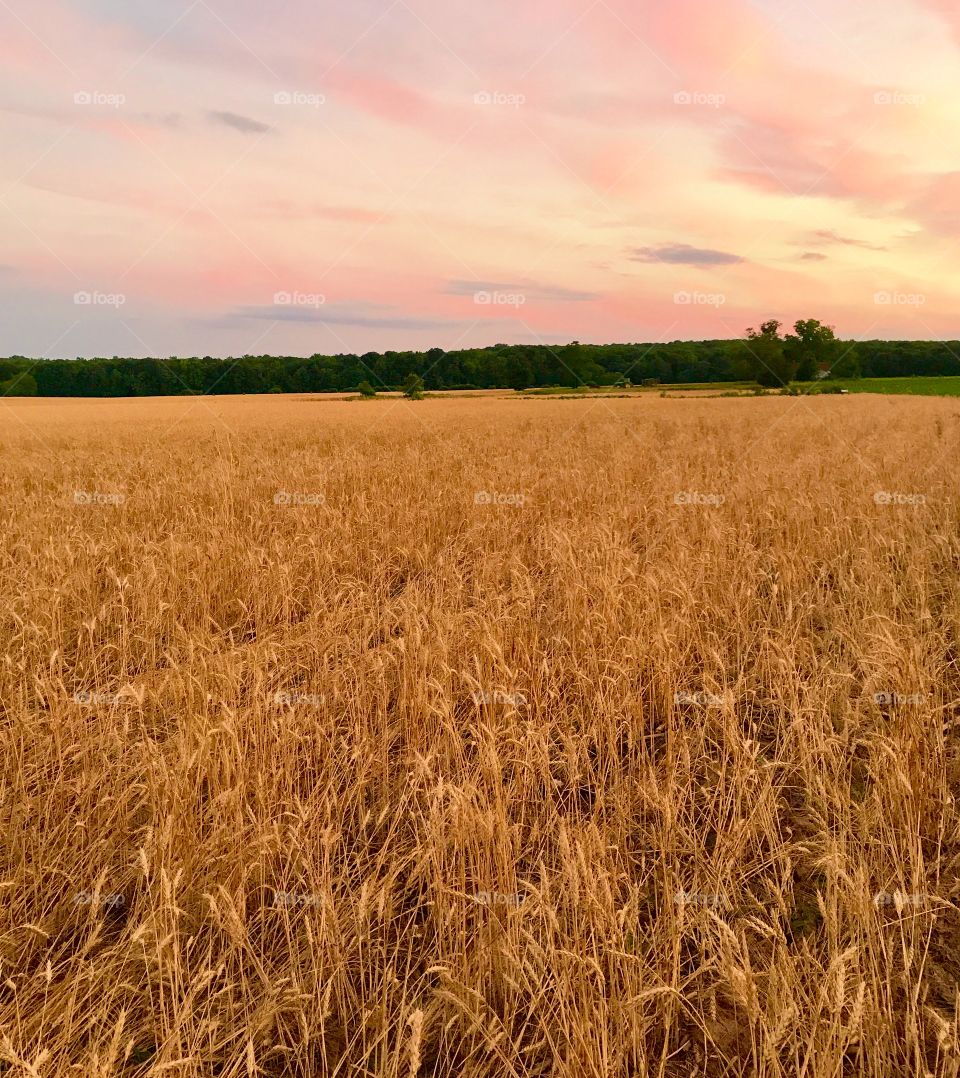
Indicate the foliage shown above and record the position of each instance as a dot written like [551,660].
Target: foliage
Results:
[771,365]
[811,348]
[20,385]
[847,364]
[518,366]
[413,387]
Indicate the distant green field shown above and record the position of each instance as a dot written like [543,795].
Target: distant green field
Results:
[934,386]
[919,386]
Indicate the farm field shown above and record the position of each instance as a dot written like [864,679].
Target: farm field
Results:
[932,386]
[597,738]
[918,385]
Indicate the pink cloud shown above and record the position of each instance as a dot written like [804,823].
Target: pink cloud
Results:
[948,11]
[709,40]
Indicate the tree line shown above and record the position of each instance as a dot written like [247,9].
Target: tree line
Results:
[766,355]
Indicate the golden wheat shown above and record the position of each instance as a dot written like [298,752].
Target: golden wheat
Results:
[480,737]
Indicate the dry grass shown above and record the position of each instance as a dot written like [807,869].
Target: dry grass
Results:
[596,785]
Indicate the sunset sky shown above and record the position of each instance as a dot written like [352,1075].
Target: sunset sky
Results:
[223,178]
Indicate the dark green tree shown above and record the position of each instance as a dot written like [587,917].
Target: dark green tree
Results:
[770,363]
[847,364]
[366,390]
[20,385]
[811,348]
[413,387]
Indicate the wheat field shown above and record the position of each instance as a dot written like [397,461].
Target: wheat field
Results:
[480,737]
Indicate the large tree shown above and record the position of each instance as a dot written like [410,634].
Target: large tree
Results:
[766,355]
[413,387]
[812,347]
[847,364]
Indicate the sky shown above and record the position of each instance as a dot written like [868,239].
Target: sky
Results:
[204,177]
